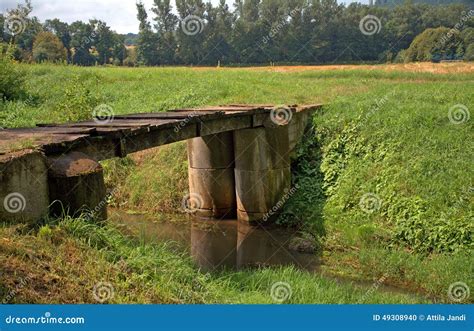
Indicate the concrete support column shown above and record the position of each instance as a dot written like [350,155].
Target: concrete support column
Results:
[262,171]
[76,184]
[211,175]
[23,187]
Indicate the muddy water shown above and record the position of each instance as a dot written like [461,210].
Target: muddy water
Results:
[217,244]
[230,244]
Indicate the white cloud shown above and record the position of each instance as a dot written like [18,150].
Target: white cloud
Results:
[121,15]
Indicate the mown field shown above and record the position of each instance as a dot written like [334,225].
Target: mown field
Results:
[385,176]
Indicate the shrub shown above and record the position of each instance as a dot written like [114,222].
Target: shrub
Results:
[78,101]
[11,77]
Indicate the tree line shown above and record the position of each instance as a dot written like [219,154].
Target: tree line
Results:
[81,43]
[253,32]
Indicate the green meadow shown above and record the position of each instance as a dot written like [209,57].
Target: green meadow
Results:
[384,173]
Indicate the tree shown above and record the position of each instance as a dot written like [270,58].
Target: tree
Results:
[82,39]
[21,29]
[147,44]
[61,30]
[166,23]
[435,45]
[103,39]
[119,51]
[217,32]
[48,47]
[191,31]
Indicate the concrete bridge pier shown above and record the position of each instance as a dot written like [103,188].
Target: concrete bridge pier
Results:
[23,187]
[76,184]
[262,172]
[211,176]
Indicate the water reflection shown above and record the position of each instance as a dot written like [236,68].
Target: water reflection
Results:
[219,243]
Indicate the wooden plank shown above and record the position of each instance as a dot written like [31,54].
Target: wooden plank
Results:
[312,107]
[114,123]
[252,106]
[12,142]
[170,115]
[51,130]
[217,108]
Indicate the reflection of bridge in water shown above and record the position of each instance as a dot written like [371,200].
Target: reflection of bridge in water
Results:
[239,160]
[215,244]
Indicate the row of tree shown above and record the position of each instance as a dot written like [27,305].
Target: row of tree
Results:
[253,32]
[304,31]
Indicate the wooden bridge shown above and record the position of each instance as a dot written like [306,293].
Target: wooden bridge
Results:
[238,159]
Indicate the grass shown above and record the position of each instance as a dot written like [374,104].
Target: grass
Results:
[384,133]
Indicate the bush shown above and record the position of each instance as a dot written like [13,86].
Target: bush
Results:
[79,101]
[11,77]
[436,45]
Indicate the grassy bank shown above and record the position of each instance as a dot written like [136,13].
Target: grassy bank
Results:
[385,178]
[63,263]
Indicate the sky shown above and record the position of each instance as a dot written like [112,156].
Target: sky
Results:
[119,14]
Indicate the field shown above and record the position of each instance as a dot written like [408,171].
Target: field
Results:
[386,183]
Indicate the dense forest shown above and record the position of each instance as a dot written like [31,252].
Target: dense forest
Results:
[251,32]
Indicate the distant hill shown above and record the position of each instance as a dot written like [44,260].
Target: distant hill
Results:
[432,2]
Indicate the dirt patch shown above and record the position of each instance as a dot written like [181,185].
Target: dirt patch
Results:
[421,67]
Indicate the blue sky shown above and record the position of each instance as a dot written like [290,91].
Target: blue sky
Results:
[119,14]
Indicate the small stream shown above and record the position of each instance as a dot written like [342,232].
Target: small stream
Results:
[216,244]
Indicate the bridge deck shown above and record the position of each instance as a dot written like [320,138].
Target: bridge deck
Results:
[125,134]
